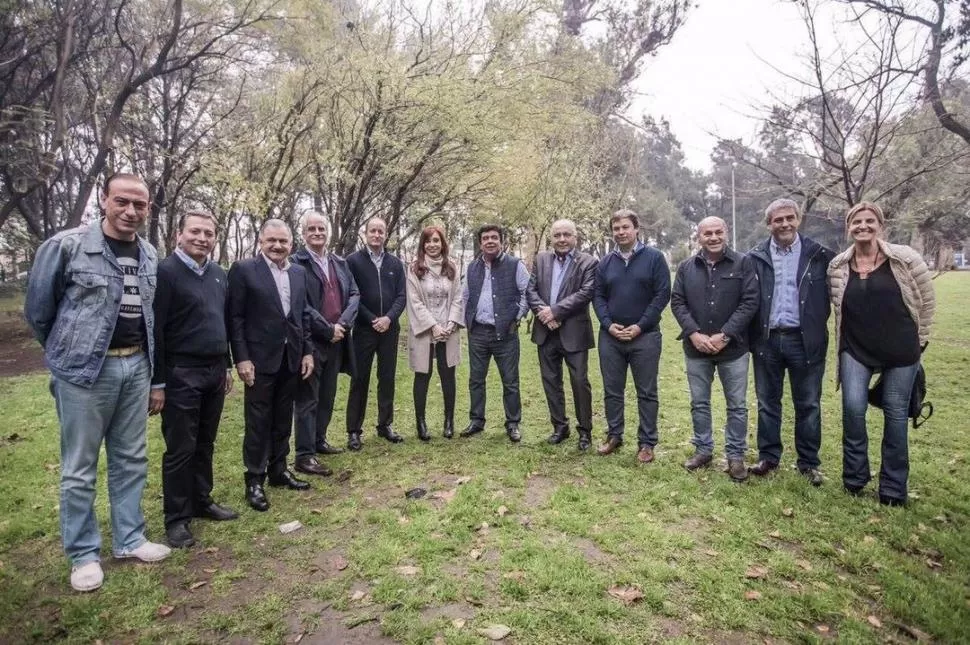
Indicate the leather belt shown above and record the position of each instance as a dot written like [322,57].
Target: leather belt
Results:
[121,352]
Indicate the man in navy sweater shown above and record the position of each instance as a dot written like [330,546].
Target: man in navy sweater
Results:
[192,375]
[381,281]
[632,289]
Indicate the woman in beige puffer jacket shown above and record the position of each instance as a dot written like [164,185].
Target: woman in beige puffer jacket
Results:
[883,299]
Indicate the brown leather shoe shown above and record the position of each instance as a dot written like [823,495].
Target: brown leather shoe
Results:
[736,470]
[763,467]
[645,455]
[612,445]
[311,466]
[699,460]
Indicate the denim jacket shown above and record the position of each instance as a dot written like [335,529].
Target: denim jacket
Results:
[73,300]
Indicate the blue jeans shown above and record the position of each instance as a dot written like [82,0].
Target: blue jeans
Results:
[482,347]
[113,410]
[779,352]
[642,356]
[898,382]
[734,379]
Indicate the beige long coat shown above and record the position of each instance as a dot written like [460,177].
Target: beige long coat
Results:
[421,320]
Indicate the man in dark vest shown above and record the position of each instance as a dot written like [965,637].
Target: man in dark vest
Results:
[495,297]
[333,298]
[381,280]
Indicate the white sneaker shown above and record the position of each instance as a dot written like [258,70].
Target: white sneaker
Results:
[87,577]
[147,552]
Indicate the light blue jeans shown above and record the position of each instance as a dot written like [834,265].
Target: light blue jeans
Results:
[734,379]
[113,410]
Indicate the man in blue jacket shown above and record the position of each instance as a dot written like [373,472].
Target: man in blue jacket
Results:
[790,333]
[632,289]
[89,303]
[381,281]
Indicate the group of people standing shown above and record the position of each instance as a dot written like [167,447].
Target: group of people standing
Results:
[124,333]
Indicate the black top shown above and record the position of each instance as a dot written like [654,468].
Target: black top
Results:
[381,294]
[877,329]
[190,316]
[130,328]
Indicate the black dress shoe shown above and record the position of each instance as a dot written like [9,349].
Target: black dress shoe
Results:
[763,467]
[311,466]
[218,513]
[558,436]
[179,536]
[885,500]
[286,480]
[515,435]
[324,448]
[813,476]
[256,498]
[388,434]
[471,431]
[449,428]
[585,440]
[353,441]
[423,433]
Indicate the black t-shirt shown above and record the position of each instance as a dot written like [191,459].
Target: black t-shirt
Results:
[877,329]
[130,329]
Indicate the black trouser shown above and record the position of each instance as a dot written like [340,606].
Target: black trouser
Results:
[269,416]
[551,357]
[190,419]
[367,343]
[642,356]
[482,346]
[445,374]
[314,399]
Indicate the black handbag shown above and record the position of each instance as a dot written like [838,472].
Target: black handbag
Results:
[920,410]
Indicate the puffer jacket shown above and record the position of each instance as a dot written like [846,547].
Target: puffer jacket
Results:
[911,273]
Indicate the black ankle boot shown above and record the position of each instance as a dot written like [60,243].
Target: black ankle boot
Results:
[449,427]
[423,434]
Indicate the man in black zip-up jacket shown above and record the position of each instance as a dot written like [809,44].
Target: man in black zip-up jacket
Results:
[790,333]
[381,280]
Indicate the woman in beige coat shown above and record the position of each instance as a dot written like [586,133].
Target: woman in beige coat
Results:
[883,299]
[435,312]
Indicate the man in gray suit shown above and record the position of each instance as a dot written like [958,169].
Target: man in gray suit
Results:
[559,293]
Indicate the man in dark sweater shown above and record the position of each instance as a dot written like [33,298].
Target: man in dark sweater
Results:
[632,289]
[714,300]
[192,374]
[381,281]
[495,302]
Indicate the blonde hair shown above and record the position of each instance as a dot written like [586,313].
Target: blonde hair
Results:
[865,206]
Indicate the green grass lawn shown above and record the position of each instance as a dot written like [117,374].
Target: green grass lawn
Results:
[531,536]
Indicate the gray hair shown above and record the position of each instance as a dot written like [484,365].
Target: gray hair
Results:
[309,214]
[565,222]
[780,204]
[274,222]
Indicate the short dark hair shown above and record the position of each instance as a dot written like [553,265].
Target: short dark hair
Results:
[625,213]
[203,214]
[486,228]
[121,175]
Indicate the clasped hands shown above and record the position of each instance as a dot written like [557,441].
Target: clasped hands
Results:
[547,318]
[627,333]
[709,344]
[440,333]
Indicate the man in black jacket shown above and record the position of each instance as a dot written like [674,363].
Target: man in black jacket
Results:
[715,296]
[269,332]
[790,333]
[191,376]
[381,281]
[333,298]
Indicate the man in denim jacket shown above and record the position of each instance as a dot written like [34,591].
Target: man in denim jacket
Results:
[89,303]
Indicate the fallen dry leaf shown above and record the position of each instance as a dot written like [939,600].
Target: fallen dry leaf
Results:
[775,534]
[344,475]
[752,595]
[501,511]
[403,519]
[358,595]
[458,623]
[875,622]
[339,562]
[482,527]
[196,585]
[525,521]
[711,552]
[212,549]
[495,632]
[788,512]
[316,511]
[822,629]
[463,480]
[868,539]
[628,595]
[756,572]
[408,570]
[210,570]
[299,637]
[165,610]
[933,564]
[804,565]
[475,554]
[471,600]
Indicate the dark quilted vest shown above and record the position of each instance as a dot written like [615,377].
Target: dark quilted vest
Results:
[505,294]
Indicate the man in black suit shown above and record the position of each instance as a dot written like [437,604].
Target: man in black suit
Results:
[560,290]
[381,280]
[333,298]
[269,332]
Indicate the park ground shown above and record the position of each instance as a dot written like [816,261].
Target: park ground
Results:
[557,546]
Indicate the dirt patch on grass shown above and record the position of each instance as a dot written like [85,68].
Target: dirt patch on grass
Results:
[326,626]
[590,551]
[538,490]
[451,611]
[19,354]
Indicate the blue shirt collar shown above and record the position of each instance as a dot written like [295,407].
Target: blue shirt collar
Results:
[189,262]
